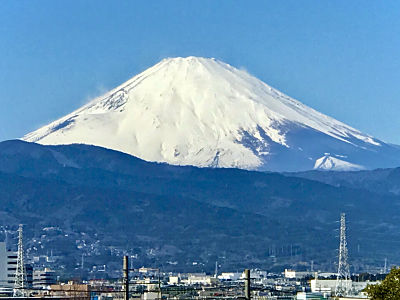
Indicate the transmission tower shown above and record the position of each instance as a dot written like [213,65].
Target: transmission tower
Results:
[343,275]
[20,273]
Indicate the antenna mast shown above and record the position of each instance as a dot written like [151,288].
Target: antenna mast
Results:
[343,274]
[385,267]
[20,273]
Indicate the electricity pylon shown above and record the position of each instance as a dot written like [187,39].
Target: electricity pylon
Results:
[343,275]
[20,273]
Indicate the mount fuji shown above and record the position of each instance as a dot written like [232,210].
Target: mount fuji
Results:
[206,113]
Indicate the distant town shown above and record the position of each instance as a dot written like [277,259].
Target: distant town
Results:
[26,276]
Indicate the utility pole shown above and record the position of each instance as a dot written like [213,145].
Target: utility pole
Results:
[6,237]
[20,274]
[343,274]
[385,267]
[312,266]
[125,270]
[247,292]
[159,285]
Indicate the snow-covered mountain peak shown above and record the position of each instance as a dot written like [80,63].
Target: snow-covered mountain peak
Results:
[203,112]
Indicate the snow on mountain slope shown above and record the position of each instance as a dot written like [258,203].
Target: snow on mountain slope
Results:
[203,112]
[327,162]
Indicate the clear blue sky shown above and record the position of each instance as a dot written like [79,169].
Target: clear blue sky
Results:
[339,57]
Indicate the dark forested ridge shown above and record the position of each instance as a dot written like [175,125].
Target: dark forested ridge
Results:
[173,216]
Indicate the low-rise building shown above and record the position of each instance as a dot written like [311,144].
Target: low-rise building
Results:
[292,274]
[310,296]
[174,280]
[328,286]
[230,276]
[200,279]
[44,278]
[150,296]
[70,290]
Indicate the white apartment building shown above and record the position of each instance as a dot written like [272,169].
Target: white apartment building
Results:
[8,266]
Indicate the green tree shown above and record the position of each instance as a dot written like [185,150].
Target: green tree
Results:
[388,289]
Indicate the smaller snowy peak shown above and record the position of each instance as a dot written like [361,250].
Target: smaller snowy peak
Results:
[329,163]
